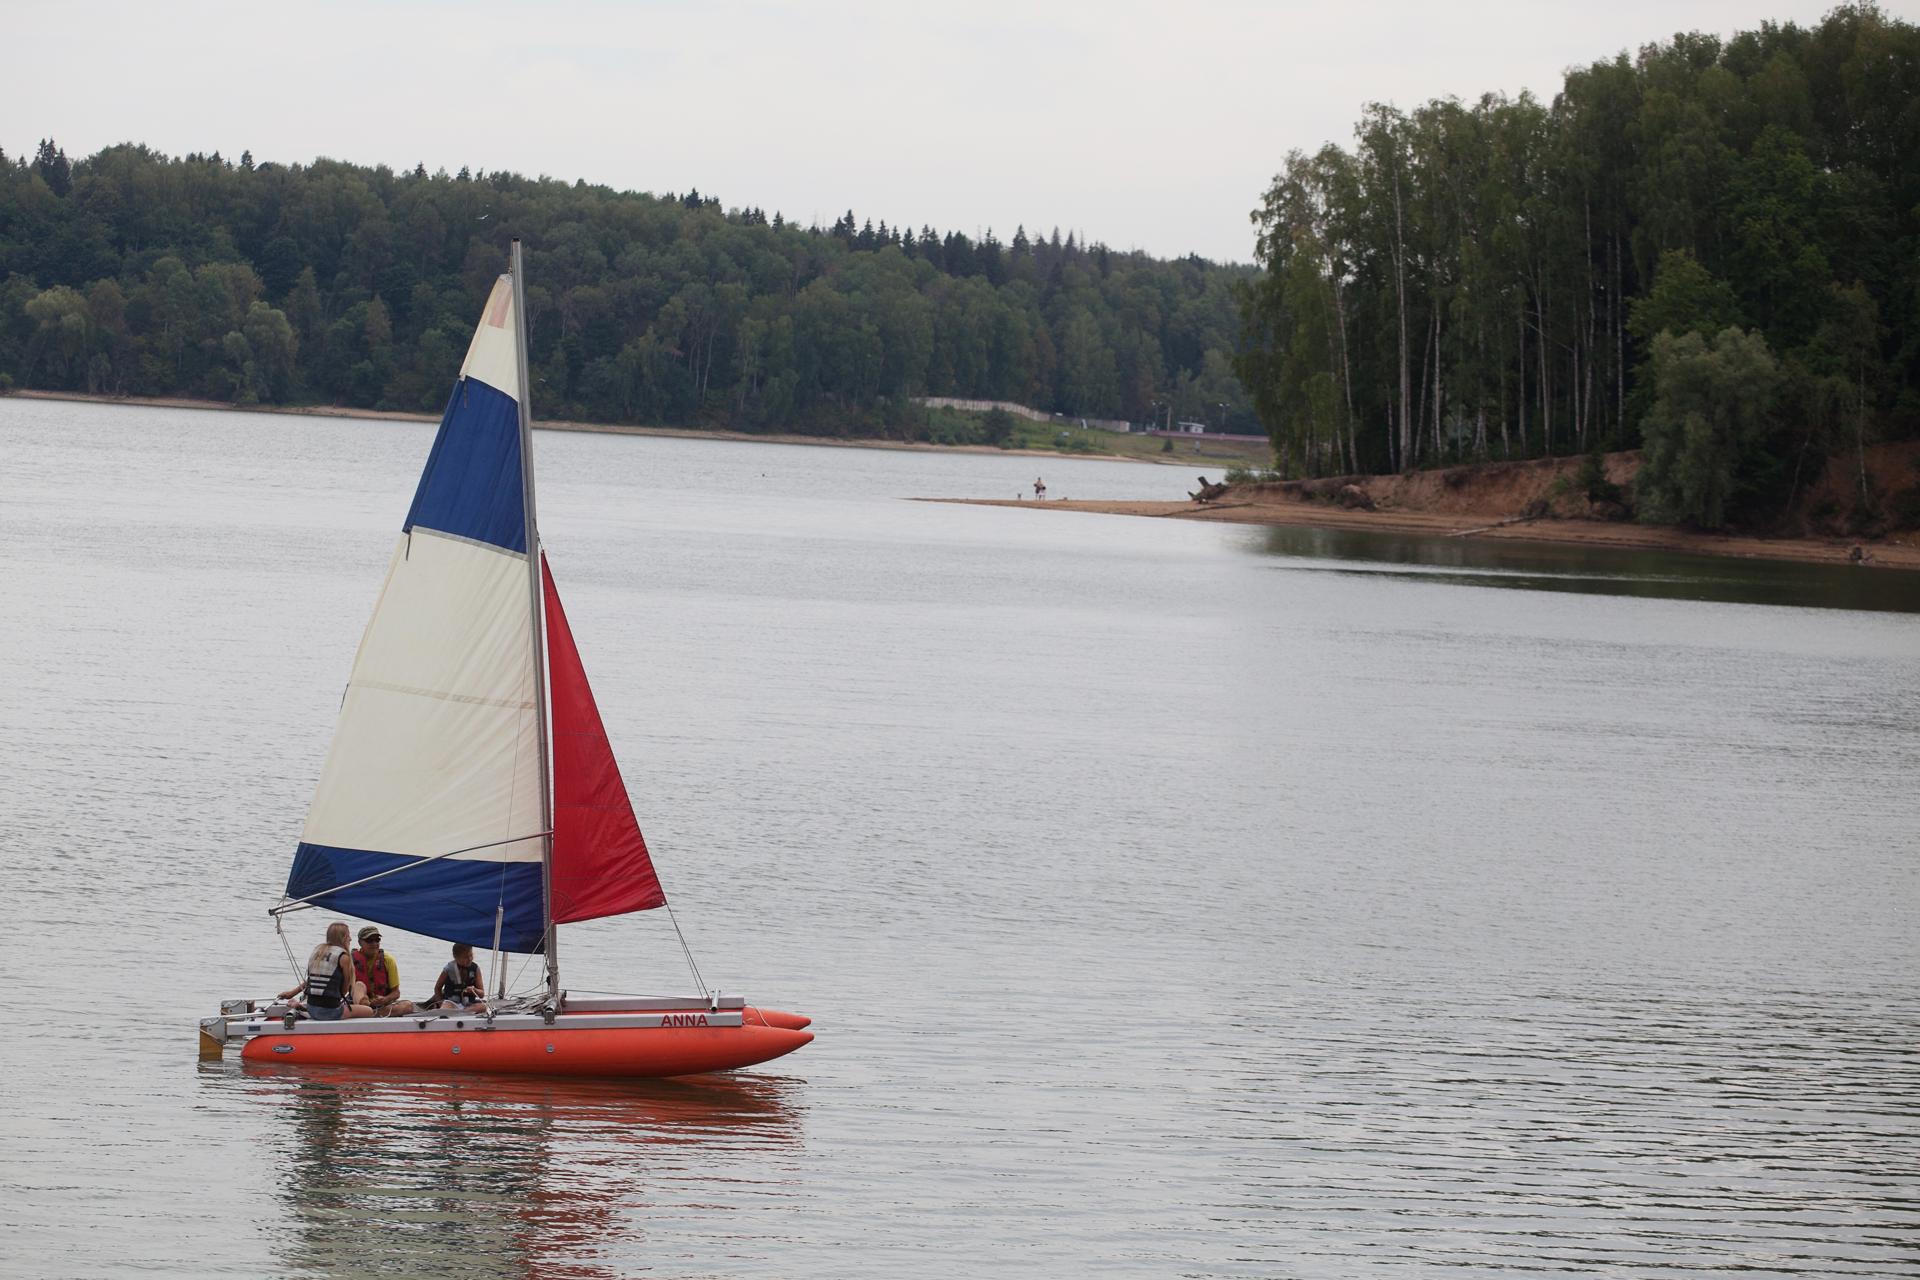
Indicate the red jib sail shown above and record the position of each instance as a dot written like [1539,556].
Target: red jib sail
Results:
[600,862]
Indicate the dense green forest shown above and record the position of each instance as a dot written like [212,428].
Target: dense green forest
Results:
[133,273]
[1711,248]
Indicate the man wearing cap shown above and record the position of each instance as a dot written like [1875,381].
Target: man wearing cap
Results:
[380,975]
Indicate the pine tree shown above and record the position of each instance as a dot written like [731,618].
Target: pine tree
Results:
[51,165]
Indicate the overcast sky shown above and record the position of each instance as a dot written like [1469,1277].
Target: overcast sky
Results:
[1144,125]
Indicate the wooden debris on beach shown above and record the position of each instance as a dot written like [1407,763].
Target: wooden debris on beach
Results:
[1208,492]
[1532,511]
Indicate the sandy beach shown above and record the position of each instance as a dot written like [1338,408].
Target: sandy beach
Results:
[1260,505]
[1892,553]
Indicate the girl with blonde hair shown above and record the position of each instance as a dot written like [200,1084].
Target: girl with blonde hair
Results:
[331,989]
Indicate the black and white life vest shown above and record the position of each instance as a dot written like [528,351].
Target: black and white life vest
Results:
[327,979]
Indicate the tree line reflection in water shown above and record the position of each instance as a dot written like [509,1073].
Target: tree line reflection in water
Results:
[1588,570]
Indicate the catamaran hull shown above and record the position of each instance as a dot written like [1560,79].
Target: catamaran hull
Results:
[620,1052]
[632,1037]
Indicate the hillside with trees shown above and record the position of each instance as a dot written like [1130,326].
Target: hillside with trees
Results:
[134,273]
[1710,248]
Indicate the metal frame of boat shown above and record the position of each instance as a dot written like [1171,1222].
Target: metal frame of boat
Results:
[465,498]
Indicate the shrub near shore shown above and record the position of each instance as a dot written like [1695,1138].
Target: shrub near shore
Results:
[1606,487]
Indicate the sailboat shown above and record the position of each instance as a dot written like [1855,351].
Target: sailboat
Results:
[470,793]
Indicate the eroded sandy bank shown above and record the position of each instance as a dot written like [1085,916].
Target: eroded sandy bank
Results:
[1891,553]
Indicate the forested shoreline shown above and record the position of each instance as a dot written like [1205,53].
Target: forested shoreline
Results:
[133,273]
[1710,249]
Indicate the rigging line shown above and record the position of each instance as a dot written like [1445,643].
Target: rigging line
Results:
[699,982]
[299,978]
[466,904]
[519,973]
[500,900]
[499,918]
[308,901]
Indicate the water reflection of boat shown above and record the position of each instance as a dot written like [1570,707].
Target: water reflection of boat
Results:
[388,1173]
[652,1110]
[471,793]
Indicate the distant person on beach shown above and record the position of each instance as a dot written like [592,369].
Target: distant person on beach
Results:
[379,975]
[459,985]
[331,990]
[1039,489]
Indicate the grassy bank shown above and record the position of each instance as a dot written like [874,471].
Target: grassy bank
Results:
[1065,436]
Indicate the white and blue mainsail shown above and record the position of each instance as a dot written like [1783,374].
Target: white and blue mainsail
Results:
[430,813]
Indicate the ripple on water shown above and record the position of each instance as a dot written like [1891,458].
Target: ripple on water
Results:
[1161,913]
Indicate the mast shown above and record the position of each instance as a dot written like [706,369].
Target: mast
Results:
[536,613]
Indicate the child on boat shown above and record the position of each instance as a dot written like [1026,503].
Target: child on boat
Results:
[459,985]
[332,992]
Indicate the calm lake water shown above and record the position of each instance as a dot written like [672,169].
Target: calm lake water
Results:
[1171,900]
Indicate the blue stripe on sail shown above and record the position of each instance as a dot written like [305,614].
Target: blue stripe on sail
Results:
[471,485]
[452,898]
